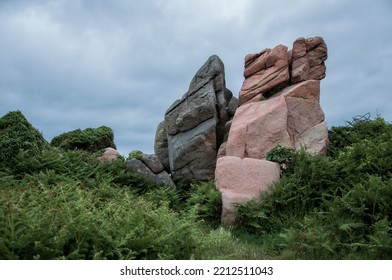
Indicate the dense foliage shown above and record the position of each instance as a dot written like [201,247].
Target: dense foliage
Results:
[61,203]
[331,207]
[89,139]
[17,135]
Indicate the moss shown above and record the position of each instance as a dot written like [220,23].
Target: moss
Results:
[89,139]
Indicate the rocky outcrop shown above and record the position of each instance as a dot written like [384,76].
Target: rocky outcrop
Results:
[150,168]
[279,104]
[286,119]
[187,140]
[265,72]
[271,70]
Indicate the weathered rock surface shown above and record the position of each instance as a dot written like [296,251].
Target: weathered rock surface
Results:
[110,154]
[194,126]
[150,167]
[286,120]
[308,56]
[264,73]
[240,180]
[268,71]
[279,104]
[161,148]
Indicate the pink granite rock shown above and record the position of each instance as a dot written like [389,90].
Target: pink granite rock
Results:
[258,127]
[277,106]
[264,72]
[308,56]
[240,180]
[110,154]
[267,72]
[315,139]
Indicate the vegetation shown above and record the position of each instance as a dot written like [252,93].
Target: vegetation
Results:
[18,135]
[330,207]
[90,139]
[60,203]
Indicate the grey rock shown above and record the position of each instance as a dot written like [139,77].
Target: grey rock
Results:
[152,162]
[160,145]
[166,179]
[162,178]
[193,153]
[232,106]
[191,111]
[195,124]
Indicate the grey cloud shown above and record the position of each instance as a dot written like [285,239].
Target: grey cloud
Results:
[76,64]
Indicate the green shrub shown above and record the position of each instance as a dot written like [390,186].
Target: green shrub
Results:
[89,139]
[205,199]
[68,221]
[356,225]
[331,207]
[360,128]
[135,155]
[281,155]
[18,135]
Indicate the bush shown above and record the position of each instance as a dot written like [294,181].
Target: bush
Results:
[331,207]
[90,139]
[205,199]
[17,135]
[281,155]
[360,128]
[68,221]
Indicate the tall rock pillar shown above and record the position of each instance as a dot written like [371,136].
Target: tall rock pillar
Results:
[279,104]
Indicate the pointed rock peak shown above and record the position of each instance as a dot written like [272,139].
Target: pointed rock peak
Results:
[194,125]
[212,68]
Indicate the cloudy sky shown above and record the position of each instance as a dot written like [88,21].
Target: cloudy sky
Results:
[69,64]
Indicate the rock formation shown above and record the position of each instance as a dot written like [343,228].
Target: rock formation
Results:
[278,105]
[187,140]
[149,167]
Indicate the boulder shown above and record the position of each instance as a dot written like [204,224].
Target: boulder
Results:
[152,162]
[265,73]
[290,119]
[271,70]
[258,127]
[159,178]
[240,180]
[110,154]
[308,56]
[195,125]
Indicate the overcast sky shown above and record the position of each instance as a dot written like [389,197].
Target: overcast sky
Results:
[69,64]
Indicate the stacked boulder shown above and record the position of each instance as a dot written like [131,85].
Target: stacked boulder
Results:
[194,127]
[279,104]
[150,168]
